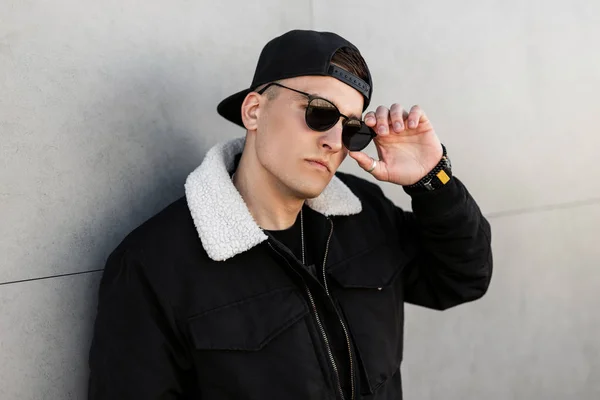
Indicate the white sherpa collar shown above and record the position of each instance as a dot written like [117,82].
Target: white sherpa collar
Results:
[222,219]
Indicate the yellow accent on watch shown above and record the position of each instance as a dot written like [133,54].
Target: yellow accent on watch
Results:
[443,177]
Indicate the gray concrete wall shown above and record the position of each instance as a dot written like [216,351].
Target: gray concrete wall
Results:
[106,106]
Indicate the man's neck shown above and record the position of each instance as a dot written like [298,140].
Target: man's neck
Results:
[270,206]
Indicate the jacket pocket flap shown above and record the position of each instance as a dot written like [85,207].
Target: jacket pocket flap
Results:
[373,269]
[248,324]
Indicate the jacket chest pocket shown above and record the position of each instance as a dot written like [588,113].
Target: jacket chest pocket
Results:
[370,294]
[256,348]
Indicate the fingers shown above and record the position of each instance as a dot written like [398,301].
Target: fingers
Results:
[370,119]
[395,118]
[414,117]
[366,162]
[379,120]
[383,120]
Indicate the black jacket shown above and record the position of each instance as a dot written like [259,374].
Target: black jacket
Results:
[200,303]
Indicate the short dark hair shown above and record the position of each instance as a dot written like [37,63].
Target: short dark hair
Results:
[351,60]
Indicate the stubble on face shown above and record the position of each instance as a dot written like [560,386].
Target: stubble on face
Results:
[289,150]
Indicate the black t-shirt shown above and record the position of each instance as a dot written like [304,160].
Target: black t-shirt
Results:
[292,239]
[314,248]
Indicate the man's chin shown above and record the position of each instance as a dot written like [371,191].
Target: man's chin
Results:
[311,192]
[309,187]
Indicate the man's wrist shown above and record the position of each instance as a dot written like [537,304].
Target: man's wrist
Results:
[433,204]
[437,178]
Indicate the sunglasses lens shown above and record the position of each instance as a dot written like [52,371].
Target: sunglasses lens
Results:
[357,135]
[321,115]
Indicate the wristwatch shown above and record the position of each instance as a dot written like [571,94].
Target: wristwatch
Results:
[437,177]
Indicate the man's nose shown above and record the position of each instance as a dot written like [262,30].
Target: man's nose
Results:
[332,139]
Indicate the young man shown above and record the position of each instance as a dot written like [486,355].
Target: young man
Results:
[276,277]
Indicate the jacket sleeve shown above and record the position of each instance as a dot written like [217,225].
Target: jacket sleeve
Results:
[452,243]
[134,352]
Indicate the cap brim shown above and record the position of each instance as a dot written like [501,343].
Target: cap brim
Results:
[231,107]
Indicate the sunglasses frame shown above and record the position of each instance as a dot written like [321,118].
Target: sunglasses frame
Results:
[311,97]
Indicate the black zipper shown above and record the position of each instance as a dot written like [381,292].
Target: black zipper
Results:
[315,313]
[348,343]
[318,319]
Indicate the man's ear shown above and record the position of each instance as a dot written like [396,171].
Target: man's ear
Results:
[251,111]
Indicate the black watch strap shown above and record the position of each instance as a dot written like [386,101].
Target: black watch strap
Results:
[437,177]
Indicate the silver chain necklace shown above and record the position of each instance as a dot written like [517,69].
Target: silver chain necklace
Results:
[302,236]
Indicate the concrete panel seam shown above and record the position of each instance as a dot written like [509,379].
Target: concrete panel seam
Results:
[49,277]
[538,209]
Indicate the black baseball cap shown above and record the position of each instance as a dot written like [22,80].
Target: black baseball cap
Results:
[297,53]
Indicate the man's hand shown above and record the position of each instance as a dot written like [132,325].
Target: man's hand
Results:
[407,145]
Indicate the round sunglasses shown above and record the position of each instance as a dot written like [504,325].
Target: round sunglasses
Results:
[321,115]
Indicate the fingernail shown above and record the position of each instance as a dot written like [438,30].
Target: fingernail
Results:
[382,129]
[412,124]
[398,126]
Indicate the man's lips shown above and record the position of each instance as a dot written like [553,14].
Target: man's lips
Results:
[323,163]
